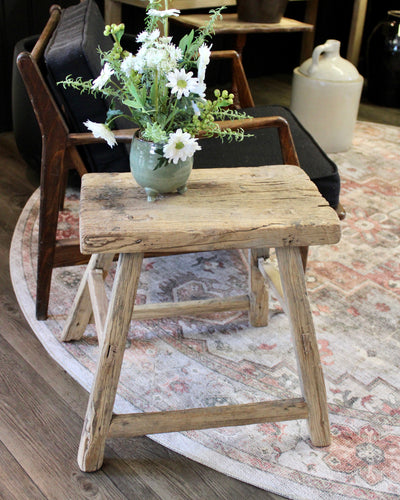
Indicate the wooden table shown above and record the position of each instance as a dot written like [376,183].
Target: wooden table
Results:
[254,208]
[230,24]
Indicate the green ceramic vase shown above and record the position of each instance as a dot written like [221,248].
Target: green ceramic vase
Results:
[167,179]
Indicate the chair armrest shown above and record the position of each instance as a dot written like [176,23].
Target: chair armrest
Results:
[81,138]
[285,137]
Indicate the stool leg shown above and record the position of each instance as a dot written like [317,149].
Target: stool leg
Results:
[305,343]
[81,309]
[258,289]
[102,395]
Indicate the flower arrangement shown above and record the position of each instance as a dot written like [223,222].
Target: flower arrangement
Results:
[158,88]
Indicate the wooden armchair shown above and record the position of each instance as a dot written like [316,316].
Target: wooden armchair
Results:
[60,150]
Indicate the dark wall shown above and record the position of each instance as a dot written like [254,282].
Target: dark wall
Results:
[334,21]
[376,12]
[18,19]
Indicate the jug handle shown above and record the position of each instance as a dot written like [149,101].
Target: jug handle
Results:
[331,48]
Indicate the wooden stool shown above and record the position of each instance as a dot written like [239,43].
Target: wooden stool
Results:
[255,208]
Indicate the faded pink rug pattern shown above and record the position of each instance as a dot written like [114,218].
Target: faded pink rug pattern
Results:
[354,290]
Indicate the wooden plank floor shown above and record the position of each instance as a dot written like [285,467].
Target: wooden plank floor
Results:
[42,408]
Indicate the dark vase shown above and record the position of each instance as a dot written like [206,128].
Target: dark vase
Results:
[261,11]
[383,62]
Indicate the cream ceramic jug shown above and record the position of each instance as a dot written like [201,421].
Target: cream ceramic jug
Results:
[326,95]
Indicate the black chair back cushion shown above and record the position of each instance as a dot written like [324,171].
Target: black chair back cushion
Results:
[73,50]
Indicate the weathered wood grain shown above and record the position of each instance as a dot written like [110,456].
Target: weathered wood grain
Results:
[190,307]
[139,424]
[236,208]
[103,392]
[305,343]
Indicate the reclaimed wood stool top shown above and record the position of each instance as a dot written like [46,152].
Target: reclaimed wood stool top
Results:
[250,207]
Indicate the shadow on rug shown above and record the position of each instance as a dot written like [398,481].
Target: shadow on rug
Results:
[354,291]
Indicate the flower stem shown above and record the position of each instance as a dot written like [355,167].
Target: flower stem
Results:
[165,20]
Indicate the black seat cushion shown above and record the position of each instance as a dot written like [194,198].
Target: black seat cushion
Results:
[264,149]
[73,50]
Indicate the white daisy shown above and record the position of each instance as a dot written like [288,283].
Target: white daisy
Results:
[172,55]
[157,57]
[163,13]
[165,39]
[103,78]
[200,89]
[148,37]
[152,57]
[182,83]
[102,131]
[202,62]
[128,65]
[180,146]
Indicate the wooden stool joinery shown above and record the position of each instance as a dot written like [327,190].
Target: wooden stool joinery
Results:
[256,208]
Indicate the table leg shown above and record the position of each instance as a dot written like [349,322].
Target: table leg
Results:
[112,11]
[258,289]
[356,30]
[310,17]
[305,343]
[102,396]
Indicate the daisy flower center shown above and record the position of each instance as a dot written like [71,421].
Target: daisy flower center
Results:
[182,84]
[179,145]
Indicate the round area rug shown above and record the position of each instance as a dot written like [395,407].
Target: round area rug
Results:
[177,363]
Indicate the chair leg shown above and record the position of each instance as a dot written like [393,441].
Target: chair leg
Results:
[55,166]
[52,176]
[102,395]
[258,289]
[305,343]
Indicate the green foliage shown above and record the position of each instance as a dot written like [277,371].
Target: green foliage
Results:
[154,87]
